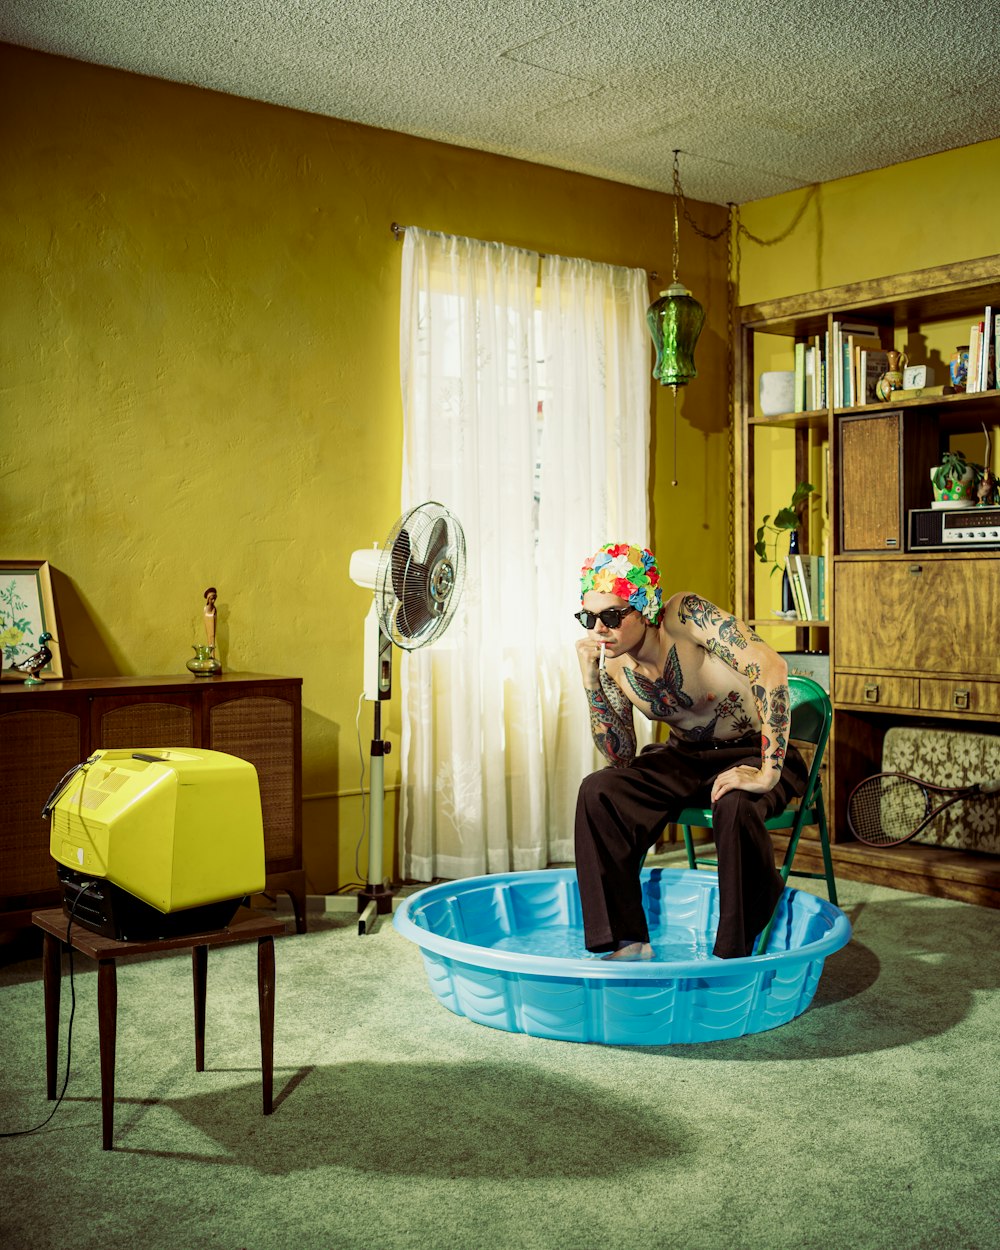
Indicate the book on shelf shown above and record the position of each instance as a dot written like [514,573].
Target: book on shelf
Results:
[799,396]
[996,352]
[840,358]
[815,572]
[987,372]
[871,365]
[810,378]
[821,587]
[819,390]
[802,574]
[857,345]
[796,585]
[975,353]
[984,351]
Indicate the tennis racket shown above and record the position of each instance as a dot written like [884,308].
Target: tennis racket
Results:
[890,808]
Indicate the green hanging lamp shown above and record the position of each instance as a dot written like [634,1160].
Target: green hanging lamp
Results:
[675,320]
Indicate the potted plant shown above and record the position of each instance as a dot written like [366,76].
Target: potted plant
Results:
[956,480]
[784,521]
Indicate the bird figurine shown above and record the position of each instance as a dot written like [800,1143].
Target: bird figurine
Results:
[34,664]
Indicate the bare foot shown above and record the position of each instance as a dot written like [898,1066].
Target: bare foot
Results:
[631,951]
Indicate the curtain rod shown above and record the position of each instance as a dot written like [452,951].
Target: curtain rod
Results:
[398,232]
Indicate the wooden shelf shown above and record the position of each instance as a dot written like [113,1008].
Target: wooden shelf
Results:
[909,434]
[941,293]
[955,414]
[796,624]
[941,872]
[814,419]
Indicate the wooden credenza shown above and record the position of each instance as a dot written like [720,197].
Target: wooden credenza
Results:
[45,730]
[918,633]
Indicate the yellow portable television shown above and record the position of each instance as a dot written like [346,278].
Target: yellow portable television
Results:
[156,842]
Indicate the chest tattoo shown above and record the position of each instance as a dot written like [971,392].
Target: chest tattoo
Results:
[730,709]
[667,692]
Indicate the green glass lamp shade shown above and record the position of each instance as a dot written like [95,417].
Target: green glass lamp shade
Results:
[675,321]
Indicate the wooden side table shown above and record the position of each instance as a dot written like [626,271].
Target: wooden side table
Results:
[244,927]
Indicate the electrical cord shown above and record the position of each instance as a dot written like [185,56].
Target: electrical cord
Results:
[20,1132]
[364,817]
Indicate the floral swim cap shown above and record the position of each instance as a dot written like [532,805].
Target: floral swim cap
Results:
[628,572]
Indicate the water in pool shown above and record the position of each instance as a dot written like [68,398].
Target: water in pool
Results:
[566,942]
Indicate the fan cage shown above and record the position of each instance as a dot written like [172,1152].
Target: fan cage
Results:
[420,576]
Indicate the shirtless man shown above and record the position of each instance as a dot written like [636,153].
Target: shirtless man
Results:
[723,691]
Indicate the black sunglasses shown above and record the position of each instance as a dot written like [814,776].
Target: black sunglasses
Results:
[611,617]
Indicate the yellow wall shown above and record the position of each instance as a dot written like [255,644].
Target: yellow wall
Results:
[200,338]
[914,215]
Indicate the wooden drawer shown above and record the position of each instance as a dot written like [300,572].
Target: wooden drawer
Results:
[877,690]
[952,694]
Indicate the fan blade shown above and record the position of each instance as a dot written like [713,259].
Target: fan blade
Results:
[420,602]
[400,562]
[412,618]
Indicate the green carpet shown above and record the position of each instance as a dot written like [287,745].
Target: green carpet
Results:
[870,1121]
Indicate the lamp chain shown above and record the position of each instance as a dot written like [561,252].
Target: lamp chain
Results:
[735,231]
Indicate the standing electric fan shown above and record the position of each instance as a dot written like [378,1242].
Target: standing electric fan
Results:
[417,582]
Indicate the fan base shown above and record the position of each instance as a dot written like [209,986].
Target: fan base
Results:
[374,901]
[380,895]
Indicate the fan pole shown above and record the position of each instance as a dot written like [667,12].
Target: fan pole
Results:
[376,899]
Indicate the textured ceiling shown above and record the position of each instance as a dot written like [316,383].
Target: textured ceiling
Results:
[759,97]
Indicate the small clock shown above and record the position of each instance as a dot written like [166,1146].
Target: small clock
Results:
[917,376]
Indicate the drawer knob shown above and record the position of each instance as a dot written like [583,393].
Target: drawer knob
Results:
[960,700]
[871,692]
[916,568]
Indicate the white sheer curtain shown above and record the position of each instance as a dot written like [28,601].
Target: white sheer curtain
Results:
[594,489]
[495,729]
[471,743]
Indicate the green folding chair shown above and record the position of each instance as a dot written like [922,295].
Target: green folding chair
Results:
[811,716]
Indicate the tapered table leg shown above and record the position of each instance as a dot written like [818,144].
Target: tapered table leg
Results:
[265,995]
[51,978]
[199,968]
[107,1018]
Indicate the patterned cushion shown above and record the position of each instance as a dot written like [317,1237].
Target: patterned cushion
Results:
[946,758]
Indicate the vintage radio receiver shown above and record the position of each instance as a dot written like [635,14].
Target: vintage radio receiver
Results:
[963,529]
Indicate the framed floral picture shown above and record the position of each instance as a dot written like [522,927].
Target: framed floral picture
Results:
[27,611]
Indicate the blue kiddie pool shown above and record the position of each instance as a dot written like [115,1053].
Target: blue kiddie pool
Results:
[508,952]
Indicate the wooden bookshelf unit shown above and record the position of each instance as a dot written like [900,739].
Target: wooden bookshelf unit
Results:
[912,636]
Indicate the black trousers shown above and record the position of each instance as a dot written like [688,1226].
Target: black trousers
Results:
[621,812]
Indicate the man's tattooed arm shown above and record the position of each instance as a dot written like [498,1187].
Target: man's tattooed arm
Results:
[611,722]
[775,717]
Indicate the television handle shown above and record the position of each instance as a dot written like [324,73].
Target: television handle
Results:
[61,785]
